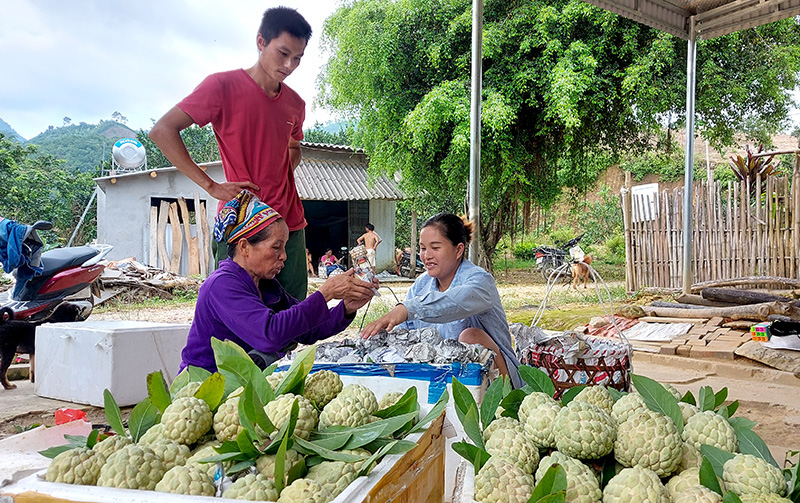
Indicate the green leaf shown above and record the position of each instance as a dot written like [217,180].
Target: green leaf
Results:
[245,443]
[316,447]
[708,478]
[373,460]
[491,400]
[751,443]
[332,442]
[295,379]
[688,397]
[559,497]
[113,414]
[511,403]
[571,393]
[472,453]
[537,379]
[741,422]
[212,390]
[472,428]
[240,466]
[365,434]
[720,397]
[434,413]
[52,452]
[717,457]
[286,429]
[280,462]
[256,413]
[143,416]
[91,441]
[181,380]
[553,482]
[608,471]
[658,399]
[157,390]
[731,497]
[296,471]
[463,401]
[706,398]
[398,446]
[407,403]
[615,393]
[733,407]
[232,362]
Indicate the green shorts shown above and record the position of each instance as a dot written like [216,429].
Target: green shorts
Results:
[294,276]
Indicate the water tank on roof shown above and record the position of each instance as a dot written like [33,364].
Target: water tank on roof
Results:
[129,154]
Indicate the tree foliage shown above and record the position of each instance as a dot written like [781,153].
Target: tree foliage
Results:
[321,134]
[200,142]
[37,187]
[567,88]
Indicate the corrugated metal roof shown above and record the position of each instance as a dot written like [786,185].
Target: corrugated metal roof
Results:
[341,180]
[713,18]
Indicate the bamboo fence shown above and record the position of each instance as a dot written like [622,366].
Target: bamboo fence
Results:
[737,231]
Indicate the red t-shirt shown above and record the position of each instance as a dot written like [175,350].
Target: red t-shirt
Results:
[253,132]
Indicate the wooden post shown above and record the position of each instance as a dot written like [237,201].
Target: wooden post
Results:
[161,237]
[206,237]
[177,239]
[796,215]
[759,236]
[413,257]
[152,259]
[627,222]
[191,242]
[201,241]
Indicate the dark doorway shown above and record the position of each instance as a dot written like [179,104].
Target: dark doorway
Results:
[327,228]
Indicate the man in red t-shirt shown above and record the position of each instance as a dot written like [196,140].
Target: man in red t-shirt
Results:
[258,123]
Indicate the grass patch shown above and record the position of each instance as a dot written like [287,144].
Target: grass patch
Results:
[128,301]
[511,263]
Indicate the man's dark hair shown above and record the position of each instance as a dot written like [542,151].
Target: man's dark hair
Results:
[370,227]
[283,19]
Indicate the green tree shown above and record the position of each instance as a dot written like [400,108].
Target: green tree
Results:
[567,88]
[200,142]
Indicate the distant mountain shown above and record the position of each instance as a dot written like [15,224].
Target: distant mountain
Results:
[9,132]
[83,146]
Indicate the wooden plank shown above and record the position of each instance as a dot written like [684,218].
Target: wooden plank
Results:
[191,242]
[627,225]
[163,216]
[677,223]
[728,240]
[758,227]
[177,239]
[796,216]
[152,247]
[198,225]
[206,237]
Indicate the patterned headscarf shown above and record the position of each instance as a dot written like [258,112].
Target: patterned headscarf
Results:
[242,217]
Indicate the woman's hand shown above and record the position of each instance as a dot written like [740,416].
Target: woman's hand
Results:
[348,287]
[386,322]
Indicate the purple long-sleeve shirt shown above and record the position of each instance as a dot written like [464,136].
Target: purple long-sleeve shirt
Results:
[231,307]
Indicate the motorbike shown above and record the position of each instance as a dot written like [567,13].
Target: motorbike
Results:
[549,259]
[404,265]
[68,275]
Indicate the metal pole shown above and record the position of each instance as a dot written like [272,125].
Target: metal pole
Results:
[475,128]
[691,63]
[80,222]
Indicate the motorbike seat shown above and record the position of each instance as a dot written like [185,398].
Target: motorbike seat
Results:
[62,258]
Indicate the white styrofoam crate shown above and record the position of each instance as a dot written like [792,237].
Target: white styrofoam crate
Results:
[77,361]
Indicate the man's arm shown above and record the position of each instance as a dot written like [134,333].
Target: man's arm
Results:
[294,153]
[166,134]
[361,238]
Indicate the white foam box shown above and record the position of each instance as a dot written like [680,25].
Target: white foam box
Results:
[77,361]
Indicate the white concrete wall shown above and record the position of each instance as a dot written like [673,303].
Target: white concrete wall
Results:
[381,215]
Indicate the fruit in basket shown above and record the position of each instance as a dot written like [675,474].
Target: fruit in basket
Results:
[389,399]
[322,387]
[186,419]
[152,435]
[278,411]
[304,491]
[598,396]
[266,464]
[500,480]
[650,440]
[171,453]
[76,466]
[226,420]
[684,481]
[532,401]
[638,484]
[672,390]
[132,467]
[334,476]
[584,431]
[504,422]
[748,474]
[343,411]
[189,390]
[687,410]
[190,480]
[362,394]
[206,451]
[690,457]
[111,445]
[582,483]
[274,379]
[252,487]
[710,428]
[539,425]
[519,448]
[697,494]
[627,406]
[763,498]
[357,452]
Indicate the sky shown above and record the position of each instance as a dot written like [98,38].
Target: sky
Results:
[86,59]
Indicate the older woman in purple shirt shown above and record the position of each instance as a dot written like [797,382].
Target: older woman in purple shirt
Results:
[243,302]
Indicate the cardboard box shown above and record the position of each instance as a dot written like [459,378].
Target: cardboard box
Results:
[416,476]
[761,331]
[77,361]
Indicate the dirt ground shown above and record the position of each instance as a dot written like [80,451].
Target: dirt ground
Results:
[778,418]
